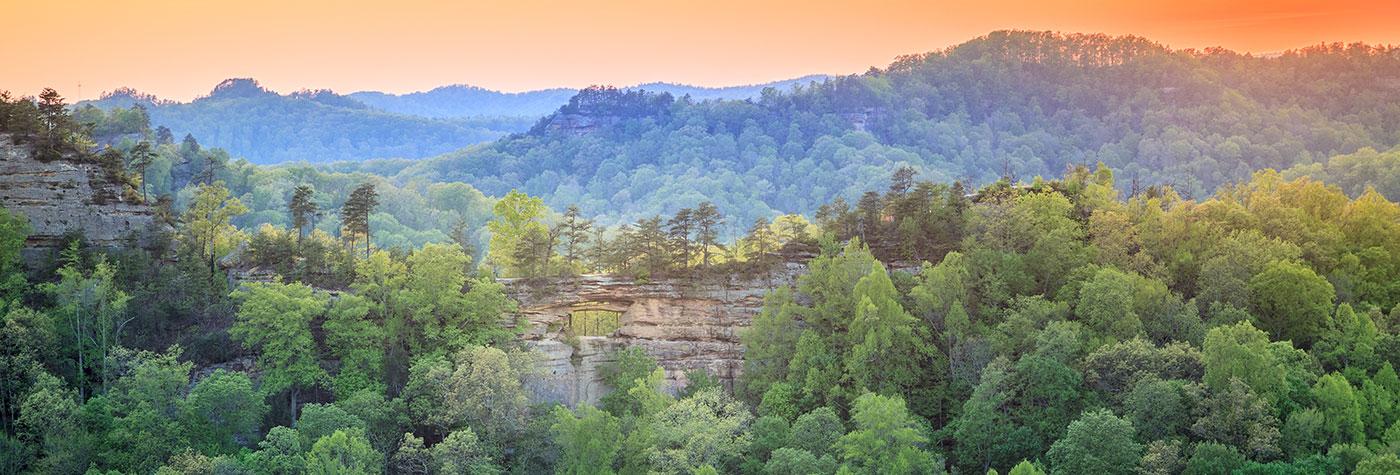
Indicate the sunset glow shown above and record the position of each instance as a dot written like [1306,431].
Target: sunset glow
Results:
[179,49]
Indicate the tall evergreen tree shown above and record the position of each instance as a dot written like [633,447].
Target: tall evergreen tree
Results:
[354,215]
[141,157]
[678,228]
[303,209]
[707,221]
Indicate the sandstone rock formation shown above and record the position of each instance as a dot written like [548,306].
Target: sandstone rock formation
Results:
[579,124]
[64,196]
[686,325]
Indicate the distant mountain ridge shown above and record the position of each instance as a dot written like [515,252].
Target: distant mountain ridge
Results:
[250,121]
[1014,104]
[469,101]
[747,91]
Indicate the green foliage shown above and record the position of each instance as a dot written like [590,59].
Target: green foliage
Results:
[208,231]
[1292,302]
[343,453]
[885,438]
[1236,416]
[1210,458]
[790,461]
[1117,368]
[707,429]
[14,229]
[275,320]
[881,328]
[1241,352]
[223,412]
[817,432]
[1025,468]
[27,341]
[1062,99]
[1049,297]
[1379,465]
[50,423]
[1339,407]
[1350,341]
[1097,442]
[1160,409]
[589,440]
[359,344]
[355,214]
[321,420]
[91,307]
[411,457]
[479,387]
[769,343]
[279,453]
[515,226]
[769,434]
[461,453]
[629,366]
[442,316]
[593,322]
[383,419]
[144,410]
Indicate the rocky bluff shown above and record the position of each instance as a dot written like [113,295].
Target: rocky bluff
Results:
[65,196]
[684,324]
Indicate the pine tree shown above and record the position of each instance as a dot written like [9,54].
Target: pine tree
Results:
[54,122]
[651,245]
[164,136]
[53,112]
[707,220]
[678,228]
[141,156]
[354,216]
[575,233]
[303,209]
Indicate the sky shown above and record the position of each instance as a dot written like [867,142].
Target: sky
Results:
[178,49]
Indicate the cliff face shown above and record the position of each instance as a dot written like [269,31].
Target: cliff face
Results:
[579,124]
[685,325]
[63,196]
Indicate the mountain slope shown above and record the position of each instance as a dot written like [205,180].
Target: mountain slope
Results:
[1010,103]
[472,101]
[467,101]
[315,126]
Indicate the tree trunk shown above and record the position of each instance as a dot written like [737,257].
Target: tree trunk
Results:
[293,408]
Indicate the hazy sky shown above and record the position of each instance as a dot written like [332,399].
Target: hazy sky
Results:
[179,49]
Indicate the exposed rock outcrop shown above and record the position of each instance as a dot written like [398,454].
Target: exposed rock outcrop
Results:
[65,196]
[686,325]
[579,124]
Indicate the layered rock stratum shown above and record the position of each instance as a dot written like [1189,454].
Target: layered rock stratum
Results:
[66,196]
[685,325]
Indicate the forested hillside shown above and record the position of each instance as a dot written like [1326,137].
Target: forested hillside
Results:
[265,127]
[262,126]
[948,311]
[472,101]
[1050,327]
[467,101]
[1016,104]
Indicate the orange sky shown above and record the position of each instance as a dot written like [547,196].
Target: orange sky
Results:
[180,48]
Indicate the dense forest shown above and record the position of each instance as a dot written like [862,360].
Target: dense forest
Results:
[472,101]
[319,126]
[1017,104]
[1063,326]
[249,121]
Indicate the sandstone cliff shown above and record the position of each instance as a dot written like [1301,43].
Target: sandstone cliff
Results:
[685,325]
[64,196]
